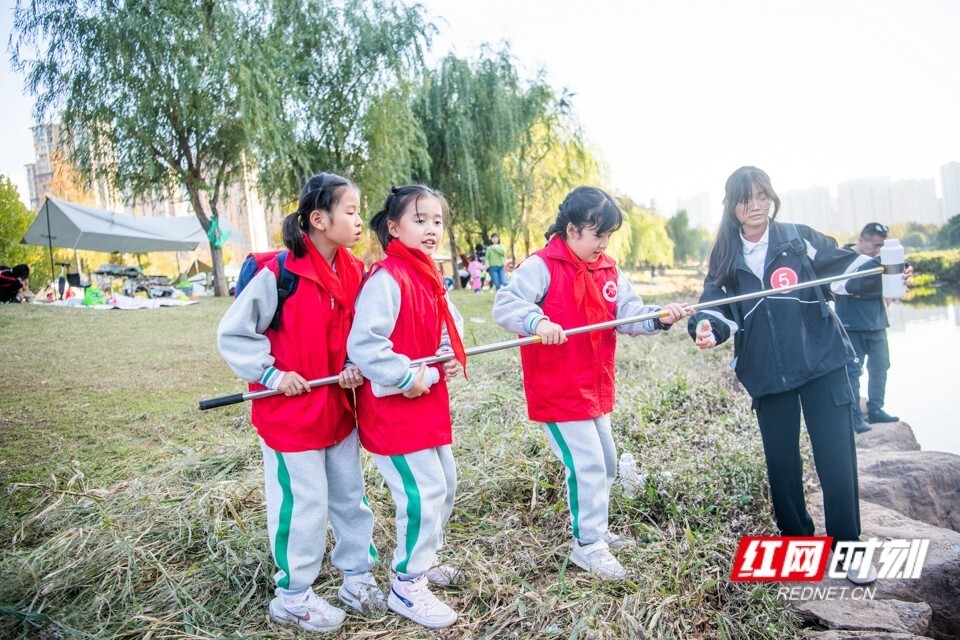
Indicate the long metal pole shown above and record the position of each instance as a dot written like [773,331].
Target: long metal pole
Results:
[519,342]
[46,210]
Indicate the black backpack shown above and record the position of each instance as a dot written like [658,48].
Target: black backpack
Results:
[286,281]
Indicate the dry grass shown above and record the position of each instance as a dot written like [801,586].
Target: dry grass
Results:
[137,516]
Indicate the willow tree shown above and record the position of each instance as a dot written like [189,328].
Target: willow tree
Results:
[172,96]
[347,72]
[472,115]
[642,238]
[551,158]
[155,96]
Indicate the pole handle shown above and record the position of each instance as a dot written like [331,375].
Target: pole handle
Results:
[222,401]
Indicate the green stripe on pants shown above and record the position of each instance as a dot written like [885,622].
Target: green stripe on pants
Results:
[413,508]
[283,526]
[571,477]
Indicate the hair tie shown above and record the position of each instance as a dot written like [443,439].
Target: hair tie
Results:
[394,190]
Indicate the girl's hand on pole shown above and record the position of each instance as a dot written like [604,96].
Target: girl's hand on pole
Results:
[705,338]
[676,312]
[419,387]
[550,332]
[351,378]
[451,368]
[293,384]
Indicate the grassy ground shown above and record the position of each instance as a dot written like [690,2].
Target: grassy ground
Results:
[128,513]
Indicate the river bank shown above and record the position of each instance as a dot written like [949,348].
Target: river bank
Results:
[905,494]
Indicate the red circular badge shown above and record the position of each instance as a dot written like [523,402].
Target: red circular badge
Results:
[784,278]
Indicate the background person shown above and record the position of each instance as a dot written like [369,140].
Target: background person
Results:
[864,316]
[15,284]
[496,258]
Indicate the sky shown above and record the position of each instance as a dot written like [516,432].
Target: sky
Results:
[676,94]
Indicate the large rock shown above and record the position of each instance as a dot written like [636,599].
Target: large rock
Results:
[923,485]
[891,436]
[867,615]
[939,583]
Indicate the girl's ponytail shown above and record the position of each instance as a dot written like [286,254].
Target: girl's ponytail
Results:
[320,193]
[292,234]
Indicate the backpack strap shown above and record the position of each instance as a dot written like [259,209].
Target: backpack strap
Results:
[800,249]
[286,286]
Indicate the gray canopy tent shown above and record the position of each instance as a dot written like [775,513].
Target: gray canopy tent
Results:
[75,226]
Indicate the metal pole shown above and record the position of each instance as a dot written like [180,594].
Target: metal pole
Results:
[520,342]
[46,210]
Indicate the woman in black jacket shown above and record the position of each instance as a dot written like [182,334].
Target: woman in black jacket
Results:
[790,350]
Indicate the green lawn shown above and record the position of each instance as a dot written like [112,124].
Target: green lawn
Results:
[129,513]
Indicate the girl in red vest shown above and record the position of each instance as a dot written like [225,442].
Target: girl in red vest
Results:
[311,457]
[569,384]
[403,313]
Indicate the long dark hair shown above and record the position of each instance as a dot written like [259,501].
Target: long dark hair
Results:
[396,204]
[737,191]
[586,207]
[322,192]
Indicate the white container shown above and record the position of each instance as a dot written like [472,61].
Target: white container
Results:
[891,257]
[629,476]
[430,377]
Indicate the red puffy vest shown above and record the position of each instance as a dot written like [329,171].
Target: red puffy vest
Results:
[574,380]
[396,425]
[311,340]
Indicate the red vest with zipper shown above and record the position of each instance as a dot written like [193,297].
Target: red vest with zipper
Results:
[311,340]
[575,380]
[396,425]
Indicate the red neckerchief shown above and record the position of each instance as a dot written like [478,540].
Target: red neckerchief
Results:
[585,290]
[344,282]
[423,265]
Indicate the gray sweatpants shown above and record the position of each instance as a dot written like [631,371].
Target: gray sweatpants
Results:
[423,485]
[589,456]
[304,490]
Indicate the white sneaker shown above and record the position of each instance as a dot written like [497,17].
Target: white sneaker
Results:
[360,591]
[616,543]
[861,575]
[412,599]
[307,611]
[597,560]
[444,575]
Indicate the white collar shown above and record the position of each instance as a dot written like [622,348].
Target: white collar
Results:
[749,247]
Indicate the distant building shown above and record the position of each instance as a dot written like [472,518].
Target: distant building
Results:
[915,201]
[699,212]
[240,204]
[46,139]
[811,207]
[864,200]
[950,183]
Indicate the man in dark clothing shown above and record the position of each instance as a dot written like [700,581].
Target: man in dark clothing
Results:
[865,319]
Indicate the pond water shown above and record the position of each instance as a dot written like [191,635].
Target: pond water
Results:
[923,384]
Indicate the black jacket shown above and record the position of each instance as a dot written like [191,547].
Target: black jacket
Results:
[788,339]
[864,311]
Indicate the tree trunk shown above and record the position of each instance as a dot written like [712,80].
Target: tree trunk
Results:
[216,255]
[219,277]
